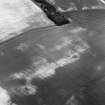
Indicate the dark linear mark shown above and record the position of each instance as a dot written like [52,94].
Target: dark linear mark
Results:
[51,12]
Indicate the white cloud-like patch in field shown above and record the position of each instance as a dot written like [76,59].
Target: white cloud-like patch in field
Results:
[103,1]
[4,97]
[42,68]
[62,52]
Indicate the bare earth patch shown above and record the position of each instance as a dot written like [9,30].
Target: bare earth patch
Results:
[18,16]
